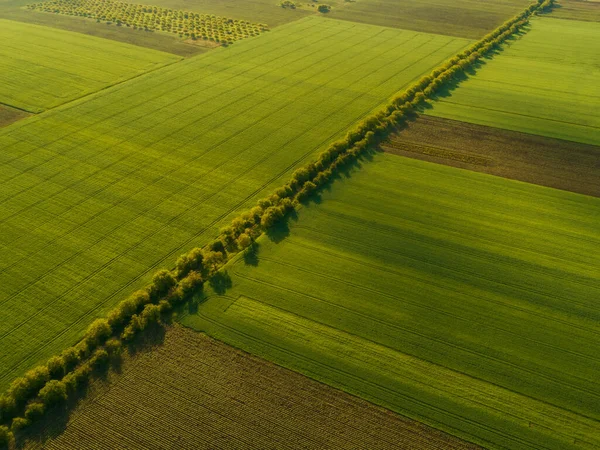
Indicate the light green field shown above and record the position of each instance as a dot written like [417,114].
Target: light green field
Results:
[544,83]
[463,300]
[98,194]
[45,67]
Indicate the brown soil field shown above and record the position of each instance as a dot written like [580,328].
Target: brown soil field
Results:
[10,115]
[534,159]
[194,392]
[586,10]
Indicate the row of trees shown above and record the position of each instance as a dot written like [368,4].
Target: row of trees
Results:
[62,376]
[153,18]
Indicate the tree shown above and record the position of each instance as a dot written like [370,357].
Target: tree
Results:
[56,367]
[162,281]
[54,393]
[7,408]
[190,261]
[24,388]
[98,332]
[324,8]
[34,411]
[5,437]
[244,241]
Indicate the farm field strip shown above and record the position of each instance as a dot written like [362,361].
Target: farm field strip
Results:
[224,398]
[482,325]
[544,83]
[106,183]
[463,18]
[46,180]
[525,157]
[45,67]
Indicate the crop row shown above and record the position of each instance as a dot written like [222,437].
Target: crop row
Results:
[30,396]
[154,18]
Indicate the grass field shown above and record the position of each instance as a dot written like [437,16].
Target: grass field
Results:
[463,300]
[45,67]
[520,156]
[98,194]
[194,392]
[544,83]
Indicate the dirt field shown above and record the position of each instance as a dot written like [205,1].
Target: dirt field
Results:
[534,159]
[195,392]
[10,115]
[588,10]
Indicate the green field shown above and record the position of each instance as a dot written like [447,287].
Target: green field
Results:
[544,83]
[97,194]
[463,300]
[45,67]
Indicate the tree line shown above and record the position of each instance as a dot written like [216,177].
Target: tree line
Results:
[30,396]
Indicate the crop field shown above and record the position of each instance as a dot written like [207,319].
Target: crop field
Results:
[98,194]
[588,10]
[212,396]
[45,67]
[556,163]
[466,18]
[10,115]
[186,24]
[463,300]
[15,10]
[545,83]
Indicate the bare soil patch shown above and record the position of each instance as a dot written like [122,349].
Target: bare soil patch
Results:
[195,392]
[534,159]
[10,115]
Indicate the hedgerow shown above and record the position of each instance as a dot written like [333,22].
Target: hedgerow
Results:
[30,396]
[187,24]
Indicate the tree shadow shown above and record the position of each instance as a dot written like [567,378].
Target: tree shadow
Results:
[280,230]
[152,336]
[251,254]
[220,282]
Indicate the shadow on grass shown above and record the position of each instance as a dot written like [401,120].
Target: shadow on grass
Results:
[220,282]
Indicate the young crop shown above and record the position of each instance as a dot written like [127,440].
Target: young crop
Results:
[145,307]
[186,24]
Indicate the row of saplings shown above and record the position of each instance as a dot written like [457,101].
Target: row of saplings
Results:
[52,384]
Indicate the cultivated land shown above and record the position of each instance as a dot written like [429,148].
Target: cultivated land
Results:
[466,18]
[15,10]
[463,300]
[526,157]
[10,115]
[194,392]
[265,11]
[45,67]
[100,193]
[588,10]
[544,83]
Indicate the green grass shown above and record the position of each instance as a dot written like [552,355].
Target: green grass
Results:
[45,67]
[98,194]
[544,83]
[463,300]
